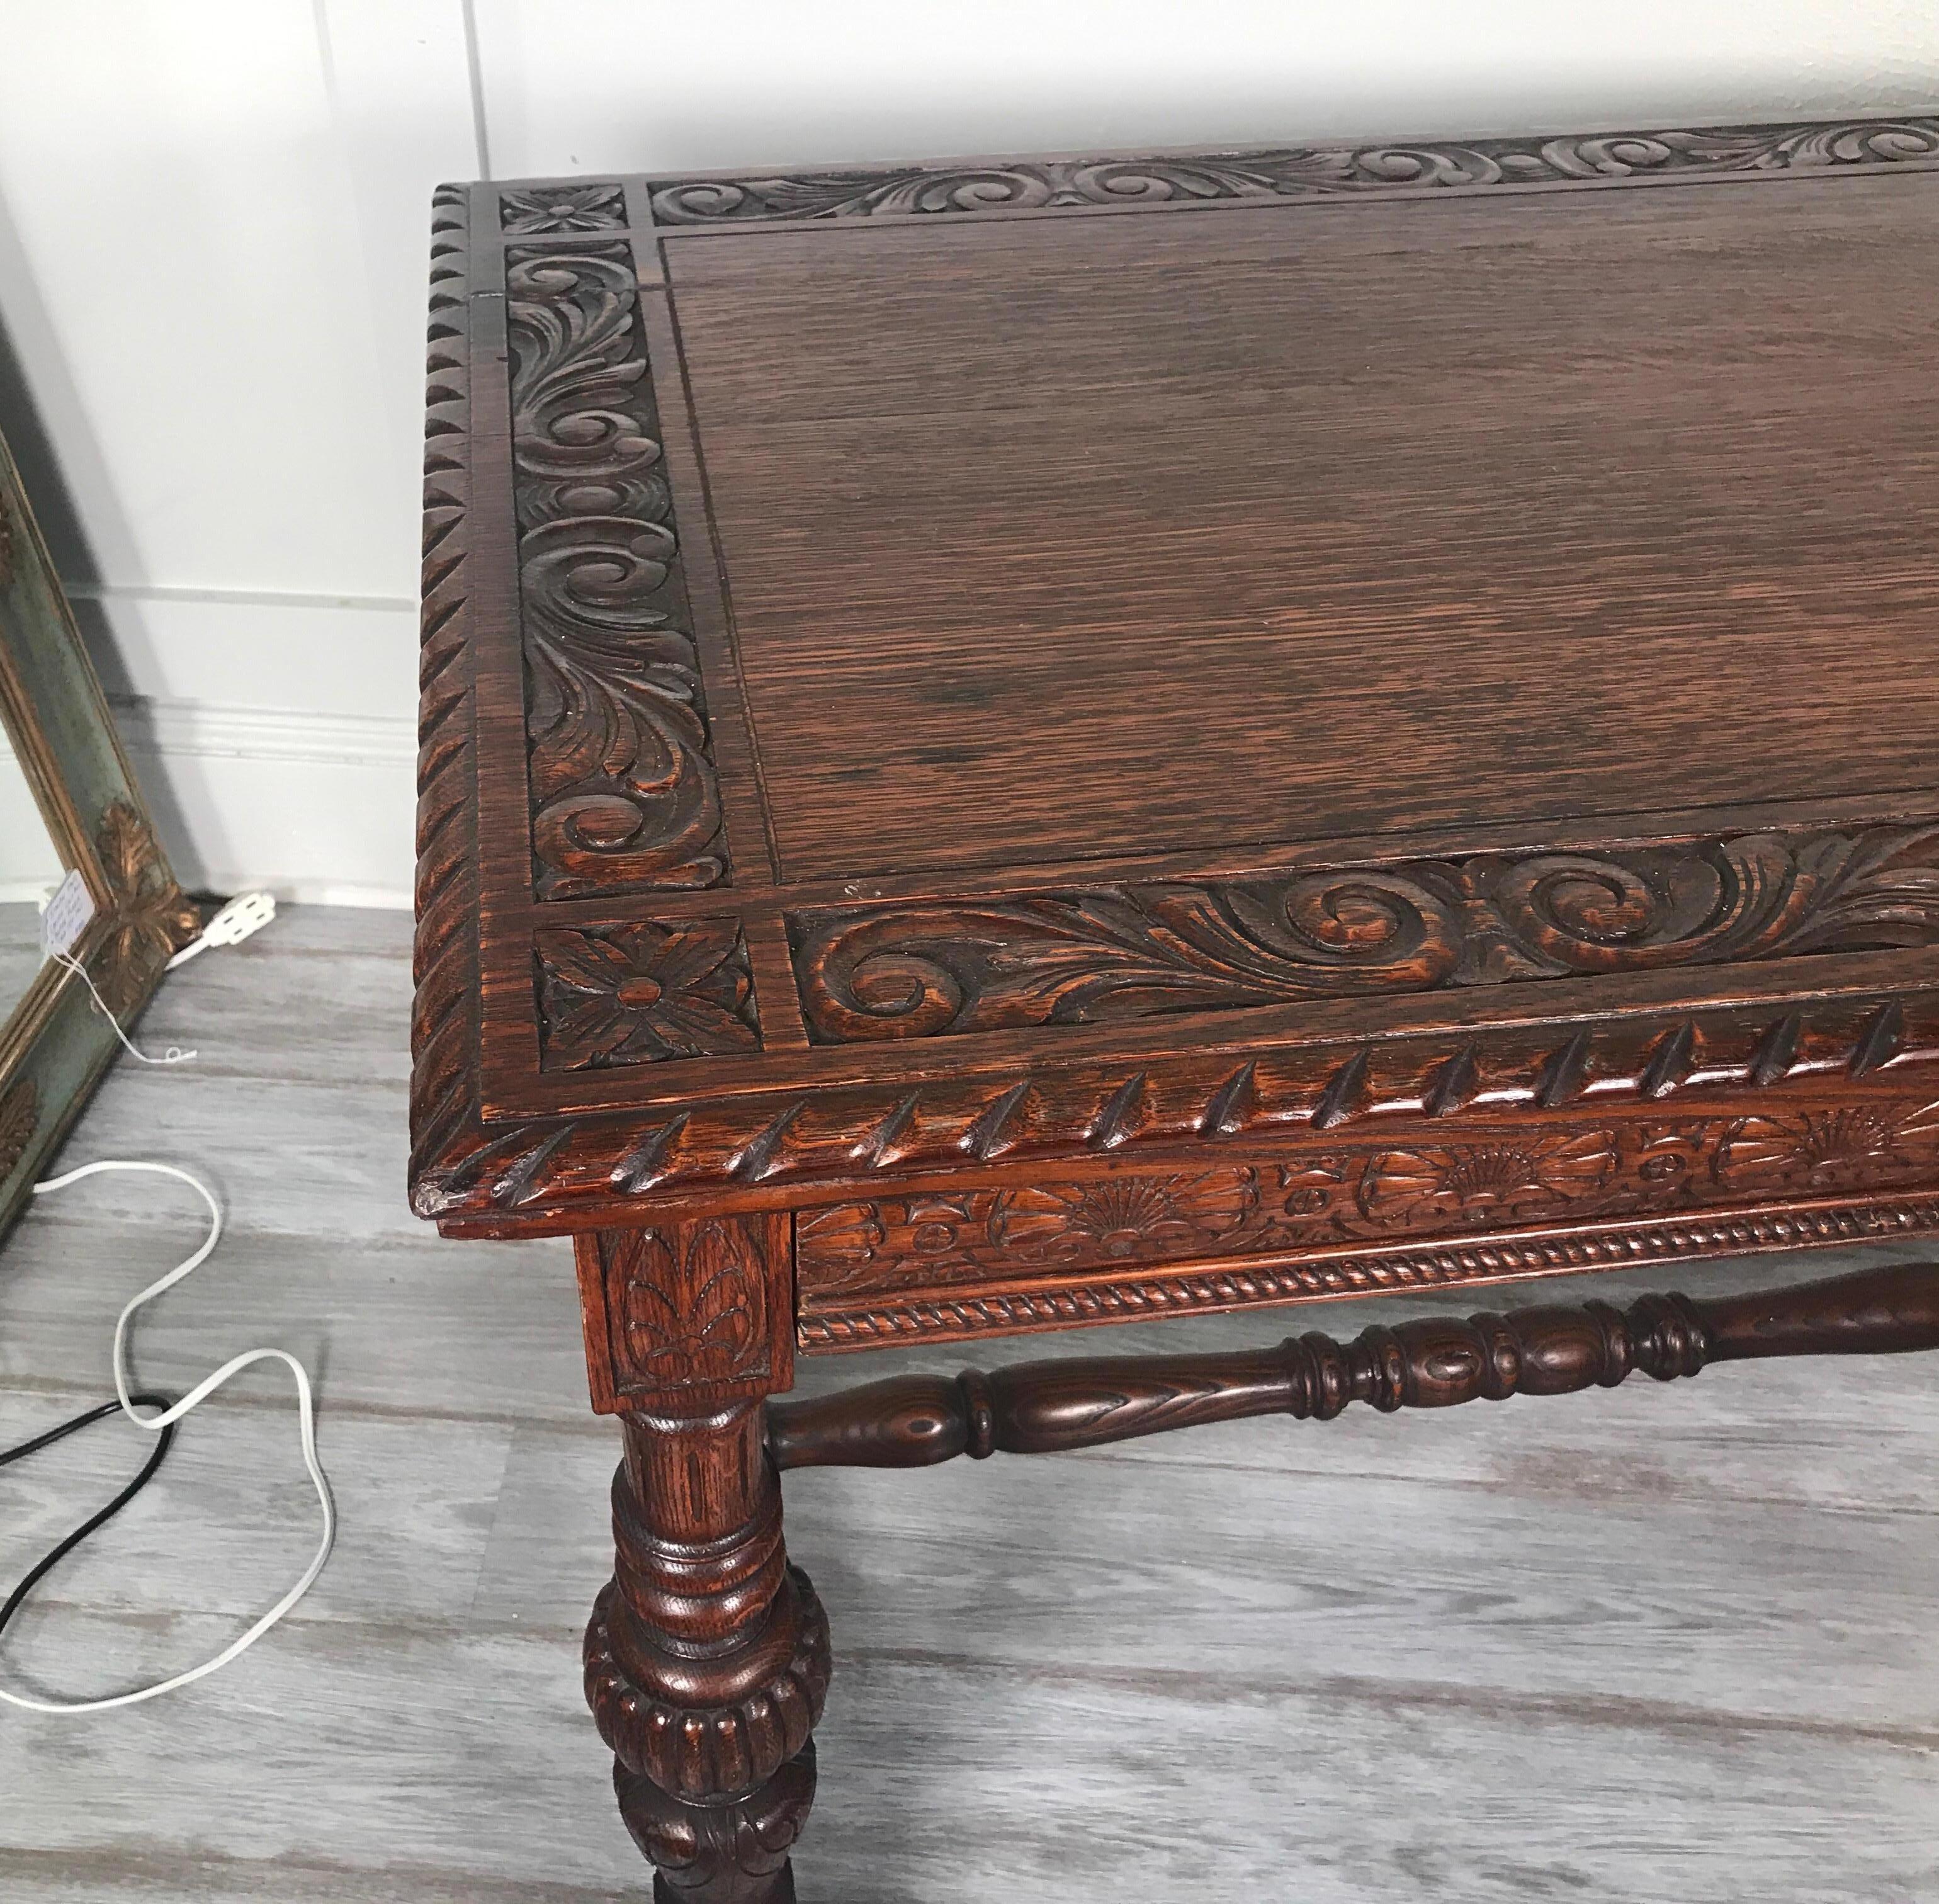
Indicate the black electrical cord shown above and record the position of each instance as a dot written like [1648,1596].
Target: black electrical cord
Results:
[41,1568]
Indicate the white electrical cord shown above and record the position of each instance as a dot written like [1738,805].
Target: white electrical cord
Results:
[306,1410]
[175,1055]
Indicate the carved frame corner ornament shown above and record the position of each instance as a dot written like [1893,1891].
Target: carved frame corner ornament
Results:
[55,1042]
[1296,172]
[150,919]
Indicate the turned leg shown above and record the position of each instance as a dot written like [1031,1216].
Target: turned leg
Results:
[707,1658]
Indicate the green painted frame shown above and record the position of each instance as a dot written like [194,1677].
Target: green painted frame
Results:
[56,1046]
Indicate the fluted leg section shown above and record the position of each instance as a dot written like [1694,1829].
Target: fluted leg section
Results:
[707,1659]
[731,1853]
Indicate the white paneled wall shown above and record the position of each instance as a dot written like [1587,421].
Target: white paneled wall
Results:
[212,236]
[212,240]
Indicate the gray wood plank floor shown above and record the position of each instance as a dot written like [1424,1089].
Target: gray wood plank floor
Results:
[1659,1644]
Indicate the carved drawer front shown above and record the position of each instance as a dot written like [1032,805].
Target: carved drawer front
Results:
[1441,1202]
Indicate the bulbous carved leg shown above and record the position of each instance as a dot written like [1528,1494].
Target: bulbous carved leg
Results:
[707,1659]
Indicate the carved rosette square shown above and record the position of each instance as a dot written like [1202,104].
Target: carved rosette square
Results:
[644,993]
[563,208]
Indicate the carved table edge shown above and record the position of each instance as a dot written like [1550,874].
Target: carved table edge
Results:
[566,1173]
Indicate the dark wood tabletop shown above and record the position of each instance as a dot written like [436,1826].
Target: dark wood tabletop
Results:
[935,675]
[1014,744]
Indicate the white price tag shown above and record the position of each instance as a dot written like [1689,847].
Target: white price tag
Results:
[66,917]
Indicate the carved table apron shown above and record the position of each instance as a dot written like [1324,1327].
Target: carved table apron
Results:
[1012,745]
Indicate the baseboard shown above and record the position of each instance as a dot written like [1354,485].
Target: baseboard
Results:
[274,736]
[313,807]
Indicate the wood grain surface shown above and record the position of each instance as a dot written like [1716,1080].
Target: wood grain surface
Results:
[1641,1644]
[1063,538]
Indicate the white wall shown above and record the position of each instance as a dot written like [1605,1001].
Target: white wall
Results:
[212,235]
[28,864]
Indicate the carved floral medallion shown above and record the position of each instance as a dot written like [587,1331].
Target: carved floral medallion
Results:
[563,208]
[642,994]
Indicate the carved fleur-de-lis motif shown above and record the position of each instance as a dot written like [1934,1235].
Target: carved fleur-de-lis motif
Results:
[690,1317]
[640,993]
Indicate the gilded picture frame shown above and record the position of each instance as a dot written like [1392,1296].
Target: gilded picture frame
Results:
[56,1044]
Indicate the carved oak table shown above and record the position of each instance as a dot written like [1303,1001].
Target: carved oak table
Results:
[1012,746]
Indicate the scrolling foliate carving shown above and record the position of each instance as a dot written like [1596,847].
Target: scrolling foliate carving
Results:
[1299,171]
[1360,1193]
[624,796]
[1114,953]
[644,993]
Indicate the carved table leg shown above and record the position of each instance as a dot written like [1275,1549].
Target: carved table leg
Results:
[707,1658]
